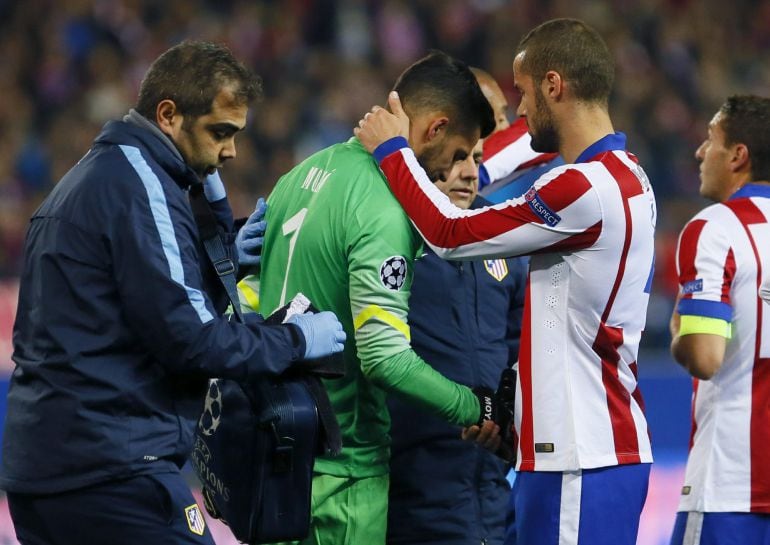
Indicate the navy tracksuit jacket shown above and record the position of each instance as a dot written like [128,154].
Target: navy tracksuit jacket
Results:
[465,320]
[120,323]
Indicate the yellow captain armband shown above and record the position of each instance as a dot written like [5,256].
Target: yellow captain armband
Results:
[378,313]
[689,324]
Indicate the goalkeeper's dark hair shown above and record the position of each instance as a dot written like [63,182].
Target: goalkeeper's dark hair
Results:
[746,120]
[441,83]
[192,74]
[574,50]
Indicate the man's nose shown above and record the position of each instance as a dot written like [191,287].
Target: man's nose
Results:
[228,150]
[470,170]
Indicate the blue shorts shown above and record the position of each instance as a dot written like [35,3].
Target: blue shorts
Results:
[145,510]
[590,507]
[695,528]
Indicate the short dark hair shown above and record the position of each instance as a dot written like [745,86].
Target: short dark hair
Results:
[574,50]
[192,74]
[746,120]
[440,82]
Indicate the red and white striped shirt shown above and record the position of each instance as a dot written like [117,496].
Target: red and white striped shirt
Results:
[724,272]
[509,151]
[589,227]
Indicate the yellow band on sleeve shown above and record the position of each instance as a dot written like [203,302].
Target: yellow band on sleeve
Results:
[249,295]
[689,324]
[382,315]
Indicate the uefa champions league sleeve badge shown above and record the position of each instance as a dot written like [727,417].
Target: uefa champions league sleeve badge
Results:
[393,272]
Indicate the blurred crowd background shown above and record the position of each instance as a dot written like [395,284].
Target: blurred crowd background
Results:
[67,66]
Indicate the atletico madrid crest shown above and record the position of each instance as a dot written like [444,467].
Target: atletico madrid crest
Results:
[498,268]
[195,519]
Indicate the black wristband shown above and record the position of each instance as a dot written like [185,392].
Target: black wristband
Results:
[486,399]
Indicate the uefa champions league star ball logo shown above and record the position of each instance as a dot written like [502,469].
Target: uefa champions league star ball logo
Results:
[212,409]
[393,272]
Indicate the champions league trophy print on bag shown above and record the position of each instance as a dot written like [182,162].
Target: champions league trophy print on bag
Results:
[256,443]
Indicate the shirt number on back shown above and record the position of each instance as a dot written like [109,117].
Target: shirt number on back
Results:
[291,229]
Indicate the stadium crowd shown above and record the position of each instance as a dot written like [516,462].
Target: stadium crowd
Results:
[70,65]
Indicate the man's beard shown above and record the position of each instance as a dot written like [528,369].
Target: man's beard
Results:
[546,139]
[427,160]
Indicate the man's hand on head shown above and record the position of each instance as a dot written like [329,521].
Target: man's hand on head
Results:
[380,125]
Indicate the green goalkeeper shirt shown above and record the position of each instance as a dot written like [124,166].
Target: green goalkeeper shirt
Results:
[337,234]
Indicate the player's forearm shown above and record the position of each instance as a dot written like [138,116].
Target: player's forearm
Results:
[700,353]
[520,226]
[698,343]
[409,377]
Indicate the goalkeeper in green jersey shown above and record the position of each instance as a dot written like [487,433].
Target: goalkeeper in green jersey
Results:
[336,234]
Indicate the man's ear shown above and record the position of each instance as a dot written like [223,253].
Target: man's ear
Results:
[740,159]
[168,118]
[553,85]
[436,128]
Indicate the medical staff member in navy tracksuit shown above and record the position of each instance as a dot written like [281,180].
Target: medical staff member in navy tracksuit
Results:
[120,323]
[465,320]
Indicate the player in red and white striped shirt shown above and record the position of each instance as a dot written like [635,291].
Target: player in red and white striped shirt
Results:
[721,333]
[584,450]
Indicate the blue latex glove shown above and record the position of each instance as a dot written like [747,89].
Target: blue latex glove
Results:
[323,333]
[251,235]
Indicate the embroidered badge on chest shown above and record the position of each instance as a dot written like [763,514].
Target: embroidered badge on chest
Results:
[497,268]
[195,519]
[393,272]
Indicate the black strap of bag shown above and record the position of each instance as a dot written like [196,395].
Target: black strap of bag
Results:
[331,437]
[269,400]
[215,248]
[225,269]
